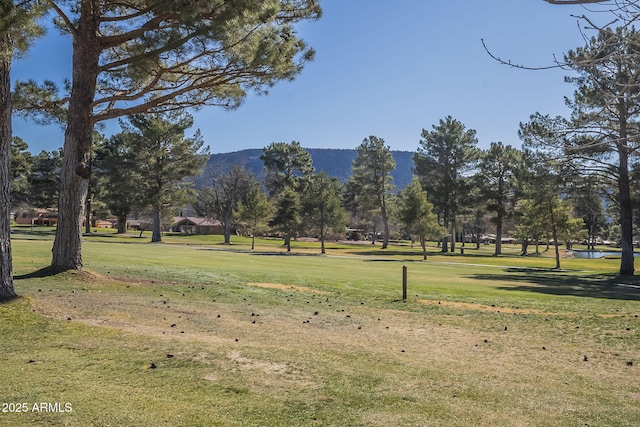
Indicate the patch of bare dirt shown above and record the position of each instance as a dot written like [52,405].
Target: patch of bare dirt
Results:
[492,308]
[508,310]
[246,363]
[286,287]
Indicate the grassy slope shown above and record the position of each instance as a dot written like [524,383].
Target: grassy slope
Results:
[266,338]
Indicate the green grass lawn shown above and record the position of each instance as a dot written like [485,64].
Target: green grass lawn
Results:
[191,332]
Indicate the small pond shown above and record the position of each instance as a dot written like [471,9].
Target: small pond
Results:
[598,254]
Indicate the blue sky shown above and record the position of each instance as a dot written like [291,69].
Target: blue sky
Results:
[384,68]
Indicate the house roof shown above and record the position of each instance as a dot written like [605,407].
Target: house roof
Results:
[195,220]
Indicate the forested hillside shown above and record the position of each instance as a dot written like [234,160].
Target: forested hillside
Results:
[334,162]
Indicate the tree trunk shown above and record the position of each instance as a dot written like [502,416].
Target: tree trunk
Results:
[322,235]
[445,239]
[227,232]
[385,223]
[254,227]
[374,233]
[626,216]
[453,235]
[557,246]
[87,211]
[554,234]
[156,235]
[74,176]
[122,224]
[423,243]
[6,274]
[498,234]
[67,252]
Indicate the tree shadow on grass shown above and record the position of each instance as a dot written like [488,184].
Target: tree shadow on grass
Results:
[417,252]
[392,253]
[34,232]
[551,282]
[10,299]
[259,253]
[38,274]
[285,254]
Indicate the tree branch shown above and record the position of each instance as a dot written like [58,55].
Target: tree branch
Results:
[574,1]
[72,29]
[520,66]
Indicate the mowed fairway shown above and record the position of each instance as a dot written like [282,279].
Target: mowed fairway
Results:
[194,333]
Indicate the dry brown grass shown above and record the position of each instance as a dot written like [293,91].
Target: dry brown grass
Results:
[446,353]
[321,341]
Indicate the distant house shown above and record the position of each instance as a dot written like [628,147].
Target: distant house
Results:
[133,224]
[37,217]
[50,218]
[181,224]
[491,239]
[107,223]
[195,225]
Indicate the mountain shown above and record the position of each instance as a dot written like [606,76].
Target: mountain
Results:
[335,162]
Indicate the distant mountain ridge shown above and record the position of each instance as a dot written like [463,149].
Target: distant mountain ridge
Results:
[335,162]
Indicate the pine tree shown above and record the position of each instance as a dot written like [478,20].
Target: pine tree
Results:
[165,157]
[600,138]
[372,181]
[116,166]
[21,164]
[253,212]
[446,157]
[159,56]
[287,218]
[496,181]
[322,206]
[287,165]
[416,213]
[44,180]
[17,30]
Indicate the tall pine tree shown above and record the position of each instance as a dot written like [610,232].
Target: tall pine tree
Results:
[17,30]
[371,179]
[496,181]
[601,136]
[322,206]
[165,157]
[133,57]
[444,161]
[416,213]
